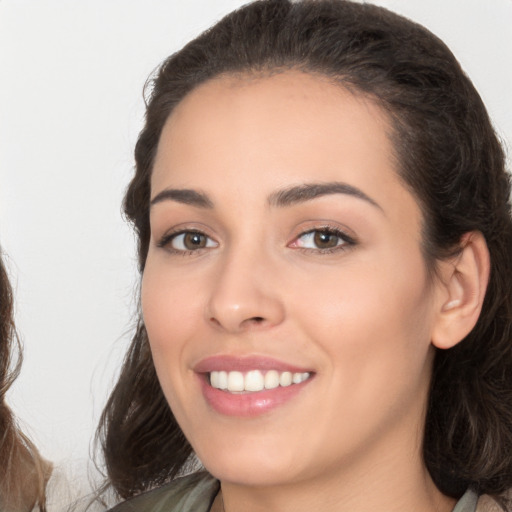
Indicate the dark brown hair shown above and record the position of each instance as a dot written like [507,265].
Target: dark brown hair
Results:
[448,156]
[23,473]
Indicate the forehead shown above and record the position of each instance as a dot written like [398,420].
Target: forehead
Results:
[292,112]
[290,94]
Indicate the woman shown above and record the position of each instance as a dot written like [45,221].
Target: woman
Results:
[325,245]
[23,473]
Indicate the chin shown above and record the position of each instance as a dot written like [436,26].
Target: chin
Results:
[250,475]
[253,467]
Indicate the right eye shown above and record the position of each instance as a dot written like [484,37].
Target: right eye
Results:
[187,241]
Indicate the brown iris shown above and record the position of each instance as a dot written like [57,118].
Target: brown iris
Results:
[325,240]
[194,241]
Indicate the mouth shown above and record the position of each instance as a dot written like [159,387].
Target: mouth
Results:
[250,386]
[254,381]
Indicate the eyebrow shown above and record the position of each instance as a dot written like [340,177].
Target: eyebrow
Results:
[281,198]
[185,196]
[309,191]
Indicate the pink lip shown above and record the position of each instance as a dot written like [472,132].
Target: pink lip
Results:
[245,363]
[246,404]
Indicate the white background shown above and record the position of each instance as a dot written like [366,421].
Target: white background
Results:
[71,77]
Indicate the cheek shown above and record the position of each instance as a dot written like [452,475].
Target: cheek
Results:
[372,317]
[169,309]
[375,337]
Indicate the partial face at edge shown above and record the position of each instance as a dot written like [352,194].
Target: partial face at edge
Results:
[283,241]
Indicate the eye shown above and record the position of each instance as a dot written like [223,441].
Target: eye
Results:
[187,241]
[324,239]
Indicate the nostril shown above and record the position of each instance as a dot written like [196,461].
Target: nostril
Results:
[257,319]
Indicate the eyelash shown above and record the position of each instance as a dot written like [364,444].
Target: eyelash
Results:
[346,241]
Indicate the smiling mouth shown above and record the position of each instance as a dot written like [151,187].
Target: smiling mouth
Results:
[254,380]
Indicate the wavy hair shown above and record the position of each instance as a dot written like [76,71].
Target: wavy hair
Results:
[447,154]
[23,472]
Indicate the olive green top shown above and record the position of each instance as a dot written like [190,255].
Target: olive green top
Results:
[192,493]
[197,492]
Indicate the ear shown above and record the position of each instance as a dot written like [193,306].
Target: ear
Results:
[461,291]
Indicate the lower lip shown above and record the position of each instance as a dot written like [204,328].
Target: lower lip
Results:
[249,404]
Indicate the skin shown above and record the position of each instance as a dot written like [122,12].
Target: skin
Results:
[360,316]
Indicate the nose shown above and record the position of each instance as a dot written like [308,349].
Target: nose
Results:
[244,295]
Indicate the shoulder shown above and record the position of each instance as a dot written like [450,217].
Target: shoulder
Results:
[191,493]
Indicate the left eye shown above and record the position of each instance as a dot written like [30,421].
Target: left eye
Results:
[190,241]
[322,239]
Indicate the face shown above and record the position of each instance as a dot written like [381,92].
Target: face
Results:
[285,294]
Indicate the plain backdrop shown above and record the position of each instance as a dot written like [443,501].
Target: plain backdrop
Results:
[71,78]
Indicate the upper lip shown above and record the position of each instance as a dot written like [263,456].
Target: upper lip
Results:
[245,363]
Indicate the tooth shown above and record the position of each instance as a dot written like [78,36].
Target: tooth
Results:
[235,381]
[285,379]
[297,378]
[254,381]
[223,380]
[271,379]
[214,379]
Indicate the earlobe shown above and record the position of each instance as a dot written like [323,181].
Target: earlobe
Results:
[462,287]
